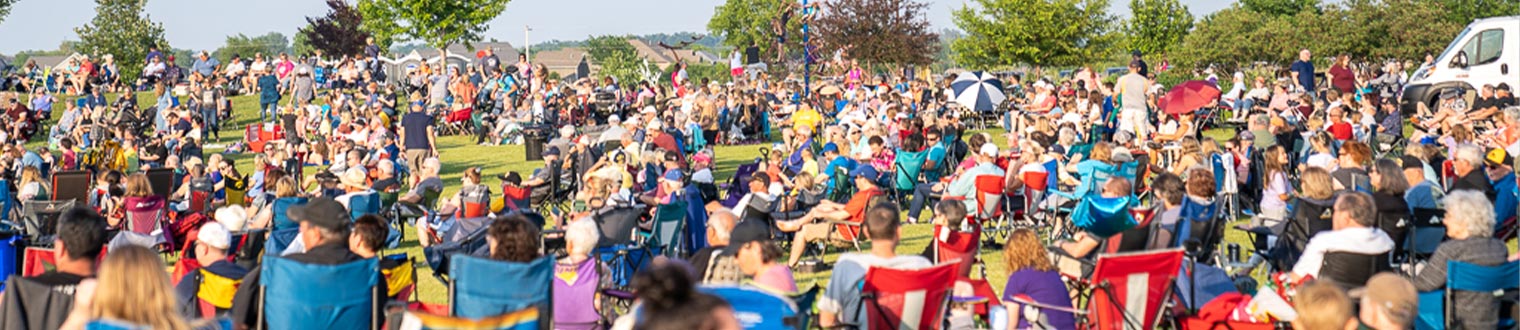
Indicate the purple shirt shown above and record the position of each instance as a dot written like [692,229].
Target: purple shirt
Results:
[1044,287]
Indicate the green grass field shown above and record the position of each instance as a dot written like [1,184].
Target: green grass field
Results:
[460,152]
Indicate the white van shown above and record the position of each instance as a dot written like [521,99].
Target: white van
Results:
[1487,52]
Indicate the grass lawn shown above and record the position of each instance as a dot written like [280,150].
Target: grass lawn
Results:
[460,152]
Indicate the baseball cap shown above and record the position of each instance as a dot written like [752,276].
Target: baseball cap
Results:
[744,233]
[1497,156]
[827,147]
[1395,295]
[1247,136]
[989,150]
[614,119]
[353,177]
[232,217]
[672,175]
[213,234]
[552,151]
[866,171]
[322,212]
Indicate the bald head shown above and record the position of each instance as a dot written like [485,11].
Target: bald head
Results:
[719,225]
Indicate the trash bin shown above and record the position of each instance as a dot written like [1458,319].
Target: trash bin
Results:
[533,140]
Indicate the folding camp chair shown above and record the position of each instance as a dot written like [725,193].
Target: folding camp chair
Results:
[145,223]
[283,230]
[400,279]
[38,305]
[956,246]
[1426,233]
[575,287]
[476,290]
[805,302]
[758,309]
[738,185]
[40,219]
[616,246]
[363,203]
[458,121]
[907,299]
[1505,204]
[988,214]
[1198,229]
[1128,290]
[665,236]
[298,295]
[1436,306]
[1352,270]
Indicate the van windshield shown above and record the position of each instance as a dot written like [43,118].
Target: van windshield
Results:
[1455,44]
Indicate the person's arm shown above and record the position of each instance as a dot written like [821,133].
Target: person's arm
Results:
[432,138]
[1433,275]
[1311,260]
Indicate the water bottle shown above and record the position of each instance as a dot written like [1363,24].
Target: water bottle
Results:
[1234,250]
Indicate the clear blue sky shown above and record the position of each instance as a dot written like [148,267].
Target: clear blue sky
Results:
[205,24]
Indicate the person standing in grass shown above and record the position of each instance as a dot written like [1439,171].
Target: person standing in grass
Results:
[269,94]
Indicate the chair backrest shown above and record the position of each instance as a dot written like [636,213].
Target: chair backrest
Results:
[1352,270]
[989,196]
[1506,201]
[7,201]
[401,278]
[144,214]
[756,308]
[1136,238]
[909,165]
[959,247]
[668,219]
[301,295]
[476,290]
[279,211]
[907,299]
[1093,179]
[200,201]
[575,287]
[616,226]
[162,180]
[40,305]
[1197,222]
[1126,279]
[1104,216]
[71,185]
[477,202]
[41,217]
[364,203]
[1448,173]
[1470,277]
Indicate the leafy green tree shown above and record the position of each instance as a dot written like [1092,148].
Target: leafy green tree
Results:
[617,58]
[439,23]
[744,22]
[270,44]
[5,8]
[1280,7]
[1465,11]
[1036,32]
[122,29]
[1157,25]
[336,33]
[879,31]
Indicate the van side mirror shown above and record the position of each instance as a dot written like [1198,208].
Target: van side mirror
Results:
[1460,60]
[1504,69]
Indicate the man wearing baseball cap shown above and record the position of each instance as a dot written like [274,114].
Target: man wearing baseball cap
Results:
[324,232]
[854,211]
[964,186]
[217,279]
[750,244]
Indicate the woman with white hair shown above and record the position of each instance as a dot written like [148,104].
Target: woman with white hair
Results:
[580,279]
[1469,225]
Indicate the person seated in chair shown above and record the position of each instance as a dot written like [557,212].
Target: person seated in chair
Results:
[709,262]
[1352,232]
[430,182]
[854,211]
[542,178]
[1469,224]
[367,239]
[1083,243]
[218,275]
[352,183]
[949,215]
[842,296]
[324,231]
[757,256]
[513,239]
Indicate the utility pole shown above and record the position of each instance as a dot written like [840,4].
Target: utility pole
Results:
[527,47]
[807,66]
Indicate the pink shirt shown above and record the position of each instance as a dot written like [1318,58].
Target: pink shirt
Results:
[776,278]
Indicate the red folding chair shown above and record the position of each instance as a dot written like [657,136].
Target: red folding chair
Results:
[200,201]
[1448,173]
[1035,184]
[989,193]
[458,119]
[907,299]
[1129,290]
[958,247]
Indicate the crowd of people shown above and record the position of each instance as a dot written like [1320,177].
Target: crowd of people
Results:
[1322,168]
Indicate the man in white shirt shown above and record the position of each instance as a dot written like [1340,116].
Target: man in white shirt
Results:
[1353,232]
[841,302]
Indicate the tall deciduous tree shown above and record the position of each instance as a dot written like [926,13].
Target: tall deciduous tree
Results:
[879,31]
[741,23]
[1157,25]
[336,33]
[439,23]
[1280,7]
[5,8]
[1465,11]
[618,59]
[270,44]
[122,29]
[1037,32]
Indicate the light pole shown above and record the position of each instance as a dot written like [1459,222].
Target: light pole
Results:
[527,47]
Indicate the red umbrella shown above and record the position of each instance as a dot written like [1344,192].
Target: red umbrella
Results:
[1190,96]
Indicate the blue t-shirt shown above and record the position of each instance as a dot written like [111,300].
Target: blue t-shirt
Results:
[269,89]
[1044,287]
[1422,196]
[1305,70]
[838,162]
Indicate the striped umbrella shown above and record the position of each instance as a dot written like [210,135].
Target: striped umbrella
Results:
[978,91]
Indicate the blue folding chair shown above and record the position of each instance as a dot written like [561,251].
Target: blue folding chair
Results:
[1198,223]
[481,288]
[298,295]
[757,309]
[1436,306]
[361,204]
[665,236]
[696,219]
[284,230]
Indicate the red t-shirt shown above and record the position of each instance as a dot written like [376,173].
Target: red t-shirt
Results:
[1341,131]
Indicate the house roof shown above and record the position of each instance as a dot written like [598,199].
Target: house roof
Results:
[563,61]
[660,56]
[504,50]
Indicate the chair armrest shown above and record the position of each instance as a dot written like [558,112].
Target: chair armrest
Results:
[1020,300]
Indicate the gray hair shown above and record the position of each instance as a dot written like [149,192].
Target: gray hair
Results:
[1512,113]
[1067,136]
[1471,210]
[1470,153]
[721,223]
[582,236]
